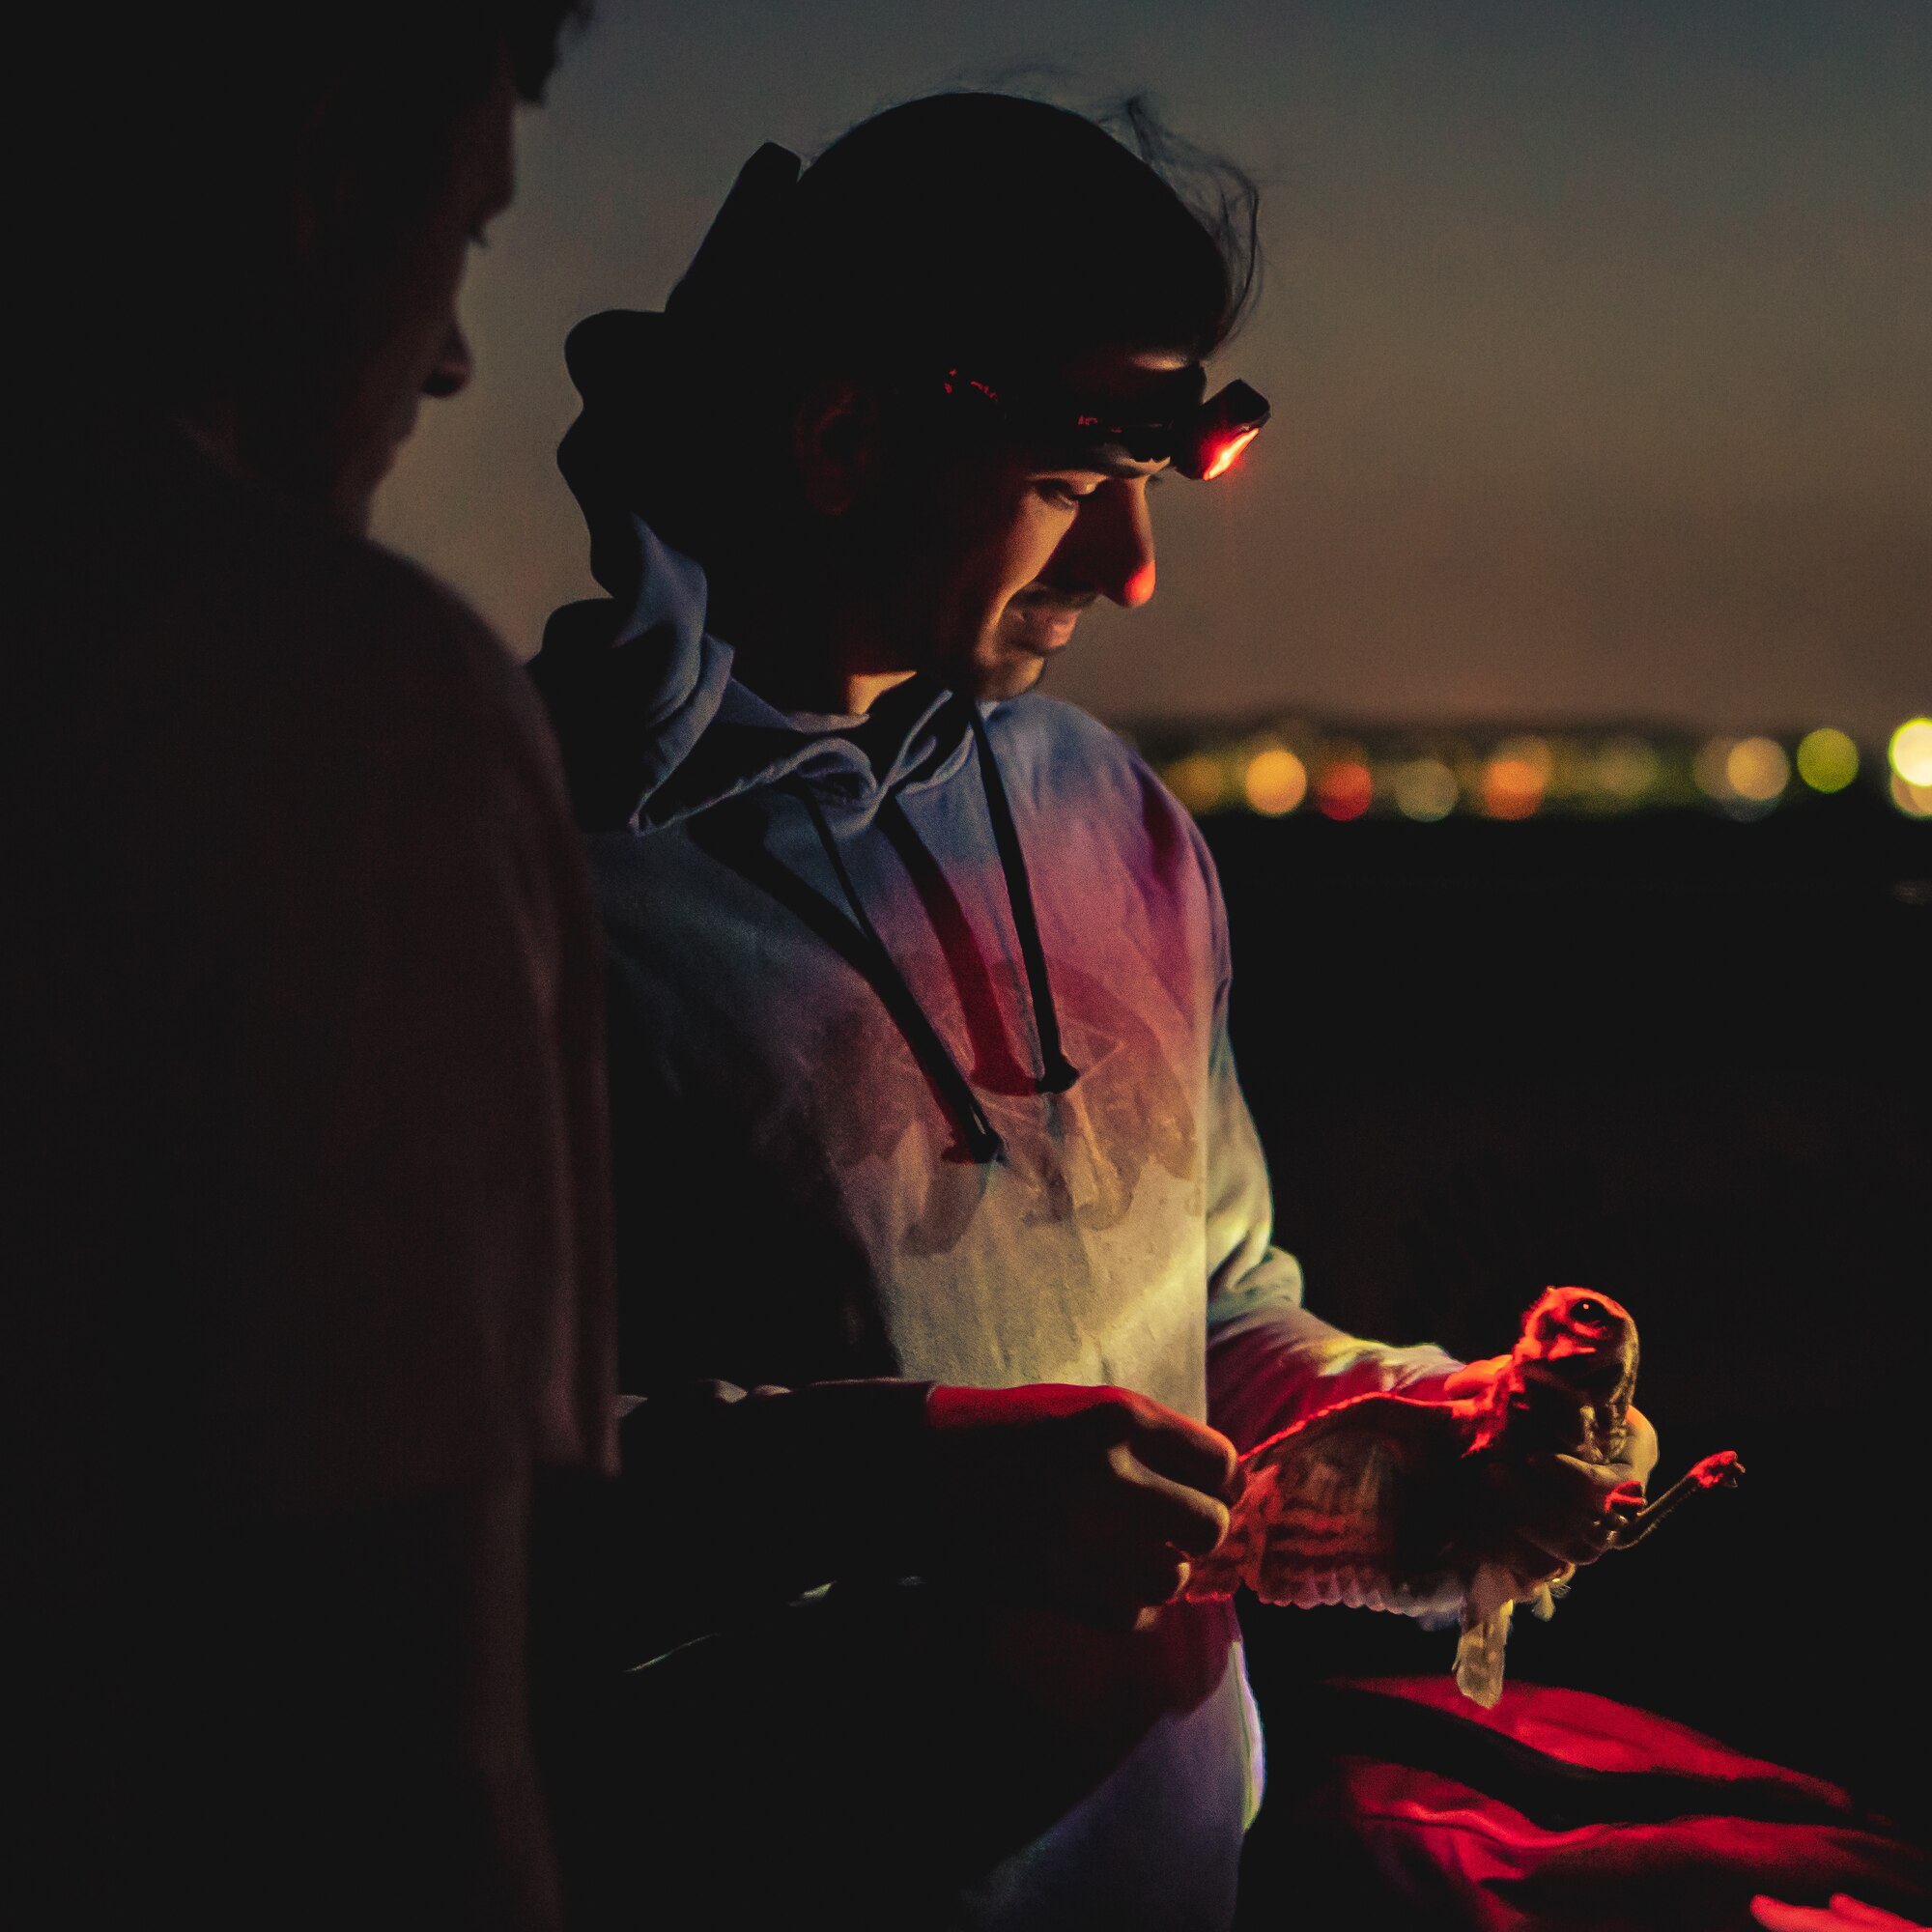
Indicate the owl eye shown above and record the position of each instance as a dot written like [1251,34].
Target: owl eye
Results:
[1587,1309]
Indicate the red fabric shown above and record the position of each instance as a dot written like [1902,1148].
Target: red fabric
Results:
[1599,1733]
[1447,1855]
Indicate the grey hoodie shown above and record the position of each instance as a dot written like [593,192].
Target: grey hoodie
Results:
[860,1132]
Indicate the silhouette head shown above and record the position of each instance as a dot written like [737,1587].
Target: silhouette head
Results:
[264,226]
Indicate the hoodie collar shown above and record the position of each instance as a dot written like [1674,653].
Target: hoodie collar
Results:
[915,736]
[654,728]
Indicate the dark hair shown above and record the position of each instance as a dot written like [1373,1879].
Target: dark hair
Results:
[985,227]
[1006,225]
[167,140]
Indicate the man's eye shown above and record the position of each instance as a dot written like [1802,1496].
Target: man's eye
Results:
[1066,495]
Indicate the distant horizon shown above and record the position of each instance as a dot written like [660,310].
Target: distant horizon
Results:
[1482,725]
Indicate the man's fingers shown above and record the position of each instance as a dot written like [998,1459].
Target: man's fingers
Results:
[1594,1537]
[1566,1506]
[1123,1594]
[1546,1547]
[1176,1445]
[1151,1584]
[1528,1565]
[1164,1511]
[1598,1480]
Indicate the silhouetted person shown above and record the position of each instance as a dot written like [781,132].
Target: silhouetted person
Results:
[305,1242]
[922,1084]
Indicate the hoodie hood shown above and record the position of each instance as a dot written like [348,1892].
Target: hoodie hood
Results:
[654,728]
[632,681]
[651,722]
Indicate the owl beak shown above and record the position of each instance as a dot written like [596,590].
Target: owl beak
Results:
[1578,1366]
[1566,1348]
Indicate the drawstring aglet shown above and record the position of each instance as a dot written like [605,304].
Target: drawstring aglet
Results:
[1061,1073]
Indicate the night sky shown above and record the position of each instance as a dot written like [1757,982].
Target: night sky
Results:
[1596,335]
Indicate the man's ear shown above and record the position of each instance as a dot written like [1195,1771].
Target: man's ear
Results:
[838,443]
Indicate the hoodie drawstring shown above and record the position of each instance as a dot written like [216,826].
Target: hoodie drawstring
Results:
[983,1139]
[1058,1073]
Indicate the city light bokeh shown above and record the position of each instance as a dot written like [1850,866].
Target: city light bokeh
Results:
[1425,789]
[1745,775]
[1275,782]
[1515,779]
[1426,776]
[1344,787]
[1912,751]
[1910,755]
[1757,769]
[1827,760]
[1626,770]
[1199,782]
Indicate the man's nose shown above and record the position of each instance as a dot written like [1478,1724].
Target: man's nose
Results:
[1115,545]
[450,373]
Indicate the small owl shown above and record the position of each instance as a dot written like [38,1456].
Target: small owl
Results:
[1392,1503]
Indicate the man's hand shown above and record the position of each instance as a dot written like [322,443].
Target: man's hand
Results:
[1555,1510]
[1571,1510]
[1091,1500]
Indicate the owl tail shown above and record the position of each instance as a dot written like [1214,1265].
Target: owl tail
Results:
[1486,1625]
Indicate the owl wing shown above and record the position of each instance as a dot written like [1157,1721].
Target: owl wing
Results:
[1318,1519]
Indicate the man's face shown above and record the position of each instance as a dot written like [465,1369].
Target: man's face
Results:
[999,556]
[373,327]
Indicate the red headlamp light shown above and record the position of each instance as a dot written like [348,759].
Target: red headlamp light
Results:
[1222,428]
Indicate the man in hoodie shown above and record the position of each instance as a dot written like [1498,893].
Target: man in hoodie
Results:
[924,1106]
[307,1238]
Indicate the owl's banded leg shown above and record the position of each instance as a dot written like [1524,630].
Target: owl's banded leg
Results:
[1714,1472]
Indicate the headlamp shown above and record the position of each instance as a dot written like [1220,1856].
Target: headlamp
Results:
[1200,438]
[1224,426]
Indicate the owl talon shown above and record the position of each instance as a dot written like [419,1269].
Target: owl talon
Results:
[1719,1471]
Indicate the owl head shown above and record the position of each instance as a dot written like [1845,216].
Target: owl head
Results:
[1581,1346]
